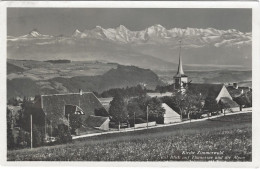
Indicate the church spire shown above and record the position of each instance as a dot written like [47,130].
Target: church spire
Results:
[180,69]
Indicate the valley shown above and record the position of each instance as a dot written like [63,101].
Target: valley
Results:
[30,77]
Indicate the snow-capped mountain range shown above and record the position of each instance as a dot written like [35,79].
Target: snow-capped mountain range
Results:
[155,46]
[154,34]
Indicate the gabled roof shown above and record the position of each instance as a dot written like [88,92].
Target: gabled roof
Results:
[54,105]
[95,121]
[228,102]
[237,92]
[206,90]
[73,109]
[169,112]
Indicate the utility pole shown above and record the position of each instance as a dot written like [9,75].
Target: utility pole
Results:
[45,134]
[51,128]
[134,120]
[147,115]
[69,122]
[31,132]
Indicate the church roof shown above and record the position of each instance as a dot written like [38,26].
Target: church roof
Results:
[206,89]
[180,72]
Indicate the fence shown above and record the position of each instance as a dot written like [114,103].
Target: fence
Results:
[153,123]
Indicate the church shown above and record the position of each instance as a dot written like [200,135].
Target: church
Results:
[217,91]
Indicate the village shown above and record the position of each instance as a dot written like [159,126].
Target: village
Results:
[59,118]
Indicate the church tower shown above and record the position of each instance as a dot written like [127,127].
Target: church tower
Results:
[180,78]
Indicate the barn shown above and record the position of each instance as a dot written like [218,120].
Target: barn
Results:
[170,115]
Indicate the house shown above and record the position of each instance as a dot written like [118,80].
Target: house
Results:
[236,91]
[58,107]
[228,105]
[170,115]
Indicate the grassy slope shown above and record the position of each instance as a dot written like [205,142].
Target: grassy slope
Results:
[230,135]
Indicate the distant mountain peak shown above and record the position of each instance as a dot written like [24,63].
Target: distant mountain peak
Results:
[98,27]
[76,33]
[35,33]
[121,27]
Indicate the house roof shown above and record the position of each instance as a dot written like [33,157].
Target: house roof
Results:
[169,112]
[87,130]
[206,90]
[237,92]
[228,102]
[73,109]
[106,102]
[54,105]
[95,121]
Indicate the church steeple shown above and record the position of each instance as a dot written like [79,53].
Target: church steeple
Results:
[180,78]
[180,69]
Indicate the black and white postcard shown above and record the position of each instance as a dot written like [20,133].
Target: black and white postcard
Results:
[131,82]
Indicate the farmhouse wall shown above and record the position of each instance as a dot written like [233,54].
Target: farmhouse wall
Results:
[105,125]
[223,93]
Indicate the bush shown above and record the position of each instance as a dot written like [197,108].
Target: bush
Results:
[23,139]
[38,136]
[64,135]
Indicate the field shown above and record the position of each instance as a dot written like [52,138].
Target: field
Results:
[226,138]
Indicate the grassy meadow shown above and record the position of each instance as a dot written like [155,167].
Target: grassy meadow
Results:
[227,138]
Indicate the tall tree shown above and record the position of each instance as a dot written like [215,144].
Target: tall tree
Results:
[155,110]
[211,105]
[134,110]
[187,103]
[118,110]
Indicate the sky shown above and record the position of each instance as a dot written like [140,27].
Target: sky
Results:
[57,21]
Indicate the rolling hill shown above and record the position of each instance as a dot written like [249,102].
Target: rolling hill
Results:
[119,77]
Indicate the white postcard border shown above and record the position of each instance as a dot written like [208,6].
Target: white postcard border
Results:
[139,4]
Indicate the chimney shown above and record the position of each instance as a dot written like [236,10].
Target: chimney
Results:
[80,92]
[235,85]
